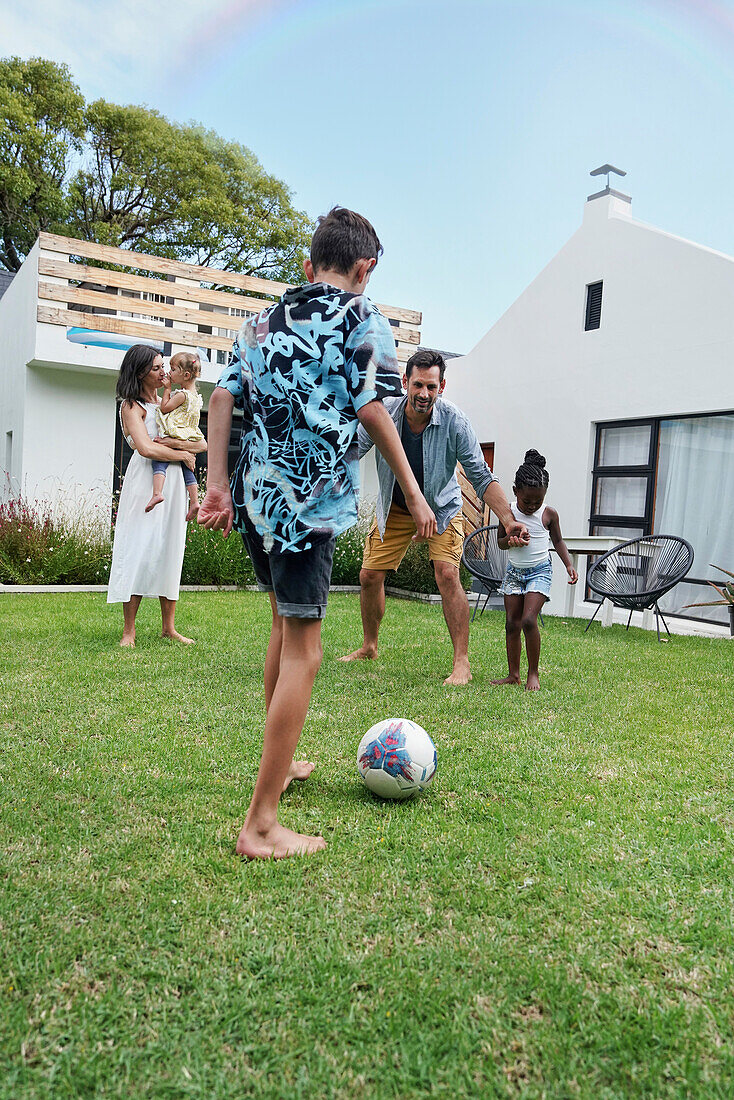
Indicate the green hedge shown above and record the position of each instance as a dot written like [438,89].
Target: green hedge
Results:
[38,547]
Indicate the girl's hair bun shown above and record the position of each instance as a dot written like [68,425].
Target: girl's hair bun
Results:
[534,458]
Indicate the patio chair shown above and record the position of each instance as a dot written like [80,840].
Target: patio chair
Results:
[485,561]
[638,573]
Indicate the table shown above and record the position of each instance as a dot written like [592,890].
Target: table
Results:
[587,546]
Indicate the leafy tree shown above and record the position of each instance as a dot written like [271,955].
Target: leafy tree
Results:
[136,180]
[183,192]
[41,127]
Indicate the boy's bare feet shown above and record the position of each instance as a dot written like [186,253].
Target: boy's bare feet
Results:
[192,512]
[128,640]
[276,842]
[157,498]
[176,637]
[507,680]
[299,769]
[364,653]
[461,674]
[533,683]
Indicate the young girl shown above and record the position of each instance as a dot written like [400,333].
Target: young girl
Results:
[527,581]
[178,418]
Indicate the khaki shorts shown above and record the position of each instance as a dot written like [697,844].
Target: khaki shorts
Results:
[388,553]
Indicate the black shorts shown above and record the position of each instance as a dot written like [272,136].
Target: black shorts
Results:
[300,579]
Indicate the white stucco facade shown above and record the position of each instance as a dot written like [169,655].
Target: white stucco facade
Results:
[664,348]
[57,406]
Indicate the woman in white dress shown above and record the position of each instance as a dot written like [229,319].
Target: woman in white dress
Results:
[148,548]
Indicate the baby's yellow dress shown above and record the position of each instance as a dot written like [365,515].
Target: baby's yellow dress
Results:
[183,422]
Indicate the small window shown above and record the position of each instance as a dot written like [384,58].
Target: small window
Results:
[593,306]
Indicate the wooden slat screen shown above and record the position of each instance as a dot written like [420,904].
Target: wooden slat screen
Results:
[476,512]
[122,257]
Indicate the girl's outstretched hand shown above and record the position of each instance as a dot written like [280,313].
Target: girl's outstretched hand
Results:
[572,574]
[516,533]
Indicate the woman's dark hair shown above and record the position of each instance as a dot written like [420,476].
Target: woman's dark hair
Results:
[532,474]
[342,237]
[134,368]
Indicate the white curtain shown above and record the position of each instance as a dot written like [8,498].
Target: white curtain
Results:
[695,499]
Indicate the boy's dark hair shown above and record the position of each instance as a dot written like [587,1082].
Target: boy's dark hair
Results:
[532,474]
[424,359]
[134,368]
[342,237]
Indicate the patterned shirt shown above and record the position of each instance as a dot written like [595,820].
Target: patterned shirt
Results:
[300,371]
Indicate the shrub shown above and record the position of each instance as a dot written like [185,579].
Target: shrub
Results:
[211,559]
[415,573]
[348,551]
[39,547]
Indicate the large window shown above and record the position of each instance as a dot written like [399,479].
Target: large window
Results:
[670,477]
[624,479]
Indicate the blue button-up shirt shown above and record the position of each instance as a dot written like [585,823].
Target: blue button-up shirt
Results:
[448,438]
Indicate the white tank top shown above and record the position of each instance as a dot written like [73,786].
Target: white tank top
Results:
[536,551]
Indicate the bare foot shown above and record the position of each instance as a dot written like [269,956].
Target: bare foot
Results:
[364,653]
[176,637]
[299,769]
[276,843]
[128,641]
[461,674]
[192,512]
[507,680]
[157,498]
[533,683]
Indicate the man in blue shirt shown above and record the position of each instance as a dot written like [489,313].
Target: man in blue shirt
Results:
[436,435]
[305,372]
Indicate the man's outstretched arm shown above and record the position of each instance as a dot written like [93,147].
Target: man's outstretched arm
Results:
[382,431]
[216,511]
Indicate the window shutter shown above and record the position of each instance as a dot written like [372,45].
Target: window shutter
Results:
[593,306]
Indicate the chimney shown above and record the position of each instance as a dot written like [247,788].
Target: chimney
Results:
[604,170]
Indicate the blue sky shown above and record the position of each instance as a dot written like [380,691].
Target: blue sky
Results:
[464,130]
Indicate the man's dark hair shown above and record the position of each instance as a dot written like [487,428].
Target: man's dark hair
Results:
[135,366]
[342,237]
[426,358]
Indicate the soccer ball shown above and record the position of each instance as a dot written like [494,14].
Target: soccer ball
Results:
[396,758]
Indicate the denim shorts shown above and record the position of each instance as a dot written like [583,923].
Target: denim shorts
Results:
[535,579]
[300,579]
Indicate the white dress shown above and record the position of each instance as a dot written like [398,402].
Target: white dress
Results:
[148,548]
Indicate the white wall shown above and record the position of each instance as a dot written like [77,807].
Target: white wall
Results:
[17,336]
[665,347]
[69,439]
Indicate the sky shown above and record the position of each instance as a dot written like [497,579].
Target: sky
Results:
[464,130]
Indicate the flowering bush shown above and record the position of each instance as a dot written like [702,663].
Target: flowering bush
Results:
[39,547]
[211,559]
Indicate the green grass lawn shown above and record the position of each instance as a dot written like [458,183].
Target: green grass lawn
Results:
[552,919]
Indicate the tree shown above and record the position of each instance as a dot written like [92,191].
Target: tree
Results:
[41,127]
[127,176]
[183,192]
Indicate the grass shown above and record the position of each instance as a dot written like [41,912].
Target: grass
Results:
[552,919]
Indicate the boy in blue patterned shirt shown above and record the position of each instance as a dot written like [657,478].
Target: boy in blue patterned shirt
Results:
[305,373]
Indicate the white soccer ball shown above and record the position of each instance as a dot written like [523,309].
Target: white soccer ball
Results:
[396,758]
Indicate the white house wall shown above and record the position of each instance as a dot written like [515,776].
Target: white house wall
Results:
[69,439]
[665,348]
[17,337]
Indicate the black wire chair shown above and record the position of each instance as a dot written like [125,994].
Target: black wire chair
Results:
[638,573]
[485,561]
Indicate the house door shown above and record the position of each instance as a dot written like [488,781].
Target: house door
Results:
[475,511]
